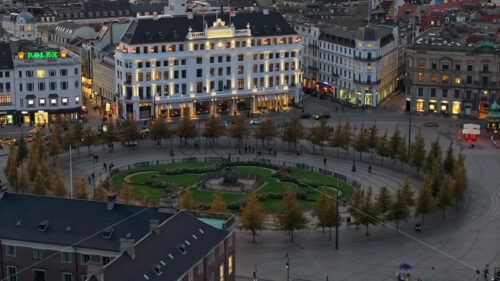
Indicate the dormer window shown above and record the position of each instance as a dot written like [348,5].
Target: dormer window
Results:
[43,226]
[157,269]
[107,233]
[182,248]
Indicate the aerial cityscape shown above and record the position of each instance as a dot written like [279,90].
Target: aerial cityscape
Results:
[249,140]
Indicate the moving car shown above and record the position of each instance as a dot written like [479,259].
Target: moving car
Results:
[29,138]
[8,140]
[322,116]
[256,121]
[306,115]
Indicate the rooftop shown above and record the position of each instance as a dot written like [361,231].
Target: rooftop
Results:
[70,222]
[175,29]
[181,242]
[5,56]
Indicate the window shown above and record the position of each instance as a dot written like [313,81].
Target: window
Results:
[52,86]
[199,87]
[420,92]
[211,257]
[421,64]
[433,77]
[420,77]
[37,254]
[8,98]
[445,93]
[369,66]
[30,104]
[85,259]
[199,72]
[66,276]
[63,72]
[40,73]
[64,85]
[53,102]
[199,60]
[64,101]
[39,275]
[41,86]
[41,101]
[485,67]
[148,76]
[219,58]
[106,260]
[29,73]
[190,276]
[240,57]
[445,65]
[221,272]
[230,264]
[77,100]
[457,66]
[200,268]
[445,78]
[228,70]
[11,273]
[29,87]
[165,75]
[65,257]
[457,79]
[469,67]
[240,69]
[457,94]
[11,251]
[240,84]
[468,94]
[434,66]
[433,92]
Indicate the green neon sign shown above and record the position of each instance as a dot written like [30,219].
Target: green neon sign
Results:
[42,55]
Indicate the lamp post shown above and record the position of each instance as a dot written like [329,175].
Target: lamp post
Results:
[337,220]
[354,152]
[287,267]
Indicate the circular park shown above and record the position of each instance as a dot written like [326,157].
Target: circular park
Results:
[235,180]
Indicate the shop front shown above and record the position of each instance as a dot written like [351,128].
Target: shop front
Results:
[145,110]
[455,109]
[41,117]
[444,107]
[6,118]
[433,106]
[420,106]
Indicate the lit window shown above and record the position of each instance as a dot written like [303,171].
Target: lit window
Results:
[360,44]
[65,101]
[421,64]
[420,77]
[40,73]
[42,102]
[53,101]
[77,99]
[369,66]
[8,98]
[420,106]
[28,27]
[30,102]
[445,78]
[230,264]
[457,79]
[433,77]
[221,272]
[455,108]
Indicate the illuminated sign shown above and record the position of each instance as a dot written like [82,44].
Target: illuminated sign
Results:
[42,55]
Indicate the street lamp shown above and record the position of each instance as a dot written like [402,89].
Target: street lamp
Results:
[353,152]
[94,159]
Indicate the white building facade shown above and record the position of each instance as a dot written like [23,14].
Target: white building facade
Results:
[360,67]
[47,85]
[20,26]
[169,66]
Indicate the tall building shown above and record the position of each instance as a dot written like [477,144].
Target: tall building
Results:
[206,64]
[47,84]
[49,238]
[361,66]
[453,70]
[7,100]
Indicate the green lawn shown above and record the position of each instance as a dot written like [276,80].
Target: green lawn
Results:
[117,179]
[272,184]
[206,196]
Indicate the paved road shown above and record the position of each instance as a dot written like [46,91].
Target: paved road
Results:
[466,240]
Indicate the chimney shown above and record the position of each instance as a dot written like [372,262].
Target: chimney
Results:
[154,226]
[94,269]
[111,201]
[168,205]
[127,245]
[3,190]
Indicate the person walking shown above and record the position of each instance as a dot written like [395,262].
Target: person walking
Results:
[324,162]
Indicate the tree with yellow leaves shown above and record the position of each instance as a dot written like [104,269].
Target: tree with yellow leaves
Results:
[186,201]
[218,205]
[252,215]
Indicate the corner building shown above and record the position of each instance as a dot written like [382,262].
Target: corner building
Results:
[207,64]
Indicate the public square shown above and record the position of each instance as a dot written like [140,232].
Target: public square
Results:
[449,249]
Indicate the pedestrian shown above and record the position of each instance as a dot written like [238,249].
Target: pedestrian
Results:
[90,180]
[104,164]
[486,270]
[324,162]
[370,169]
[478,273]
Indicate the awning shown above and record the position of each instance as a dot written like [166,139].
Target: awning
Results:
[30,97]
[53,96]
[324,84]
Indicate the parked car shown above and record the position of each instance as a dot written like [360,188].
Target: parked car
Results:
[430,124]
[29,138]
[129,143]
[256,121]
[306,115]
